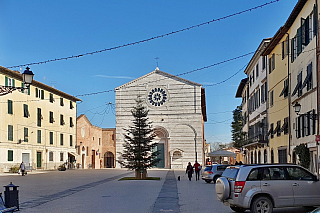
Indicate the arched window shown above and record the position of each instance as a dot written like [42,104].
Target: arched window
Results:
[259,157]
[265,156]
[272,157]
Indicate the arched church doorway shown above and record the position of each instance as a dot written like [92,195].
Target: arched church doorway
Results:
[108,160]
[162,147]
[176,160]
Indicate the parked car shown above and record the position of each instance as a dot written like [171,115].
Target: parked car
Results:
[213,172]
[261,188]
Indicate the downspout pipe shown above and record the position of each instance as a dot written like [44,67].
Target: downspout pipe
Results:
[289,98]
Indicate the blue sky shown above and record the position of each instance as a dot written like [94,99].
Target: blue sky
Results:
[36,31]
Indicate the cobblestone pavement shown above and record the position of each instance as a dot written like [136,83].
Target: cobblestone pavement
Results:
[101,191]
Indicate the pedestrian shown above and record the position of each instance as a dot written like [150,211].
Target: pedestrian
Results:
[22,168]
[189,170]
[197,168]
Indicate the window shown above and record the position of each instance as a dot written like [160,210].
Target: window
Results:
[10,155]
[254,175]
[71,142]
[9,82]
[39,117]
[308,80]
[273,61]
[87,151]
[25,111]
[99,141]
[285,89]
[272,156]
[265,156]
[61,156]
[61,120]
[252,76]
[10,133]
[71,105]
[264,62]
[277,173]
[26,134]
[39,93]
[50,156]
[298,87]
[39,136]
[278,129]
[10,108]
[285,47]
[271,98]
[61,102]
[51,99]
[61,139]
[257,70]
[51,120]
[71,122]
[51,138]
[25,90]
[296,173]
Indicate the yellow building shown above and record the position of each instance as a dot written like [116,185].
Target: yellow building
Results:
[290,53]
[37,125]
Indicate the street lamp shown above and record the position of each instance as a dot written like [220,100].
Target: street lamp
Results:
[27,78]
[297,107]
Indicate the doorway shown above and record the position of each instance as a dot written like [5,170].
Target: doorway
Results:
[93,157]
[26,159]
[38,159]
[108,160]
[160,149]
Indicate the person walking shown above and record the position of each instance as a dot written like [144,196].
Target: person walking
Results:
[189,170]
[197,168]
[22,168]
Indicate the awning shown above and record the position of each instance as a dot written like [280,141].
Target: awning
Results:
[222,153]
[73,153]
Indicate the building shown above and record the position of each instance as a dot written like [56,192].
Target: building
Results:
[253,91]
[292,62]
[178,112]
[37,125]
[95,146]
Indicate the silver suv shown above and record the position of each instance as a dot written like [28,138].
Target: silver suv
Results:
[213,172]
[261,188]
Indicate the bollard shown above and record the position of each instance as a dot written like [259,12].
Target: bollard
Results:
[11,196]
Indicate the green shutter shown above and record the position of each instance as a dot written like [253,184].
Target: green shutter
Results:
[22,85]
[6,81]
[292,50]
[51,137]
[10,155]
[42,94]
[39,136]
[10,132]
[299,41]
[10,110]
[29,90]
[71,140]
[61,139]
[13,83]
[36,92]
[315,20]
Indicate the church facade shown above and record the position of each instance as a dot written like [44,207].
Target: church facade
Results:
[178,112]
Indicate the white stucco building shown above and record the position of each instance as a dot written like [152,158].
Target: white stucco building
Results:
[178,112]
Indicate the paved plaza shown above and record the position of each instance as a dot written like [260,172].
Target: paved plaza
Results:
[101,191]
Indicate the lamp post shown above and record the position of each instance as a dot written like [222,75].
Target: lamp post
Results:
[297,107]
[27,78]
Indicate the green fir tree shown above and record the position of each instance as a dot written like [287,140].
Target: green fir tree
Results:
[238,136]
[138,153]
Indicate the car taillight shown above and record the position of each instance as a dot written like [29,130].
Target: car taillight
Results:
[238,186]
[210,172]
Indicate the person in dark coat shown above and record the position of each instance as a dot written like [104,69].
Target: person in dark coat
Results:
[189,170]
[197,168]
[22,168]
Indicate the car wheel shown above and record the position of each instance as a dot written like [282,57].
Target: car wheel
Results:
[261,205]
[207,181]
[215,178]
[237,209]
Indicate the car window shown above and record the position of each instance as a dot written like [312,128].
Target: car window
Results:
[296,173]
[208,168]
[266,174]
[253,175]
[230,173]
[222,168]
[277,173]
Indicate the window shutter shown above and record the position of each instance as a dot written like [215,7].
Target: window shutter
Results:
[315,20]
[10,132]
[36,92]
[25,134]
[306,31]
[22,85]
[10,155]
[29,90]
[299,41]
[10,107]
[13,82]
[6,81]
[292,50]
[42,94]
[39,136]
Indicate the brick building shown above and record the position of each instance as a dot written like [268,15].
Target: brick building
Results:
[95,146]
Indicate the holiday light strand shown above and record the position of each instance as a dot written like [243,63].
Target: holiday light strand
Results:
[146,40]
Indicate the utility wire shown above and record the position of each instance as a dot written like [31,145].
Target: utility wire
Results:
[146,40]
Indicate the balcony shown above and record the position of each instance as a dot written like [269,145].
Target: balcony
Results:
[256,140]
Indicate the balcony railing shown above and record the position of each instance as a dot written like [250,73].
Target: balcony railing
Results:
[259,138]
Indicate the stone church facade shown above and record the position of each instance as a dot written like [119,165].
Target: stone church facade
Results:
[178,112]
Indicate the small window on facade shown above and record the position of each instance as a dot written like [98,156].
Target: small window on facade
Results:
[61,120]
[50,156]
[51,138]
[99,141]
[273,61]
[10,107]
[10,155]
[25,111]
[9,82]
[39,136]
[308,80]
[10,132]
[61,102]
[71,142]
[71,105]
[257,70]
[271,98]
[51,120]
[61,139]
[26,134]
[264,62]
[39,117]
[278,128]
[61,156]
[51,98]
[71,122]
